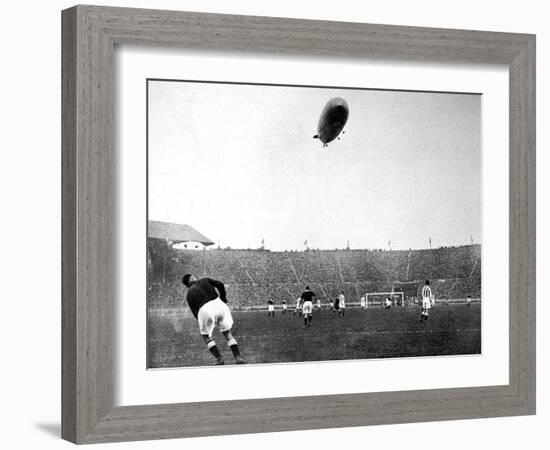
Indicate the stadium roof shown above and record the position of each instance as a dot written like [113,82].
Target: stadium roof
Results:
[176,232]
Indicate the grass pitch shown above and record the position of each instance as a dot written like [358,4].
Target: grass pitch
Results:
[174,340]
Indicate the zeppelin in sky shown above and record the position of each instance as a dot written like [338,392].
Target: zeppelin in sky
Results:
[332,120]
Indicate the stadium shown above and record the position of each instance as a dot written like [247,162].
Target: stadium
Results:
[254,276]
[240,175]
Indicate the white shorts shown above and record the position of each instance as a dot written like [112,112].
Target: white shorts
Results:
[342,305]
[307,308]
[215,313]
[426,303]
[270,308]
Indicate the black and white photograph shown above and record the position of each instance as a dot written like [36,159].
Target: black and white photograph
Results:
[291,224]
[260,225]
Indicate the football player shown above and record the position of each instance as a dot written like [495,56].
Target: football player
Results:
[426,300]
[208,303]
[307,305]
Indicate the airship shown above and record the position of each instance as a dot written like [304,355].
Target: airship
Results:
[333,118]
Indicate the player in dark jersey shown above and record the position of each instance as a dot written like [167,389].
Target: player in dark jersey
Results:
[336,306]
[307,305]
[208,303]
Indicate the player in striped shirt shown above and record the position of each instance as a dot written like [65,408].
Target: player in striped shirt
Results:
[342,304]
[298,309]
[426,300]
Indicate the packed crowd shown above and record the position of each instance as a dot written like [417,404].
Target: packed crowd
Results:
[254,276]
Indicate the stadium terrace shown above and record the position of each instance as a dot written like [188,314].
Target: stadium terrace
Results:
[254,276]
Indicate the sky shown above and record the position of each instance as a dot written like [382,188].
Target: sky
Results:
[239,164]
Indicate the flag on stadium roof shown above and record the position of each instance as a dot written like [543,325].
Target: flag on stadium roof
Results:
[176,232]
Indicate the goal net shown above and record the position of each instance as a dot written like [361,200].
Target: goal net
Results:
[379,299]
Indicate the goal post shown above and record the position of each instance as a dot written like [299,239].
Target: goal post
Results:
[378,298]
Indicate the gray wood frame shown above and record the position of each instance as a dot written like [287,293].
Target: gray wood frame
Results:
[89,36]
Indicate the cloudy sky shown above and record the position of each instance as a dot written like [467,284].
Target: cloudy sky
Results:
[238,163]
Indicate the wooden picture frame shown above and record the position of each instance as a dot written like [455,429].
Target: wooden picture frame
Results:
[89,37]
